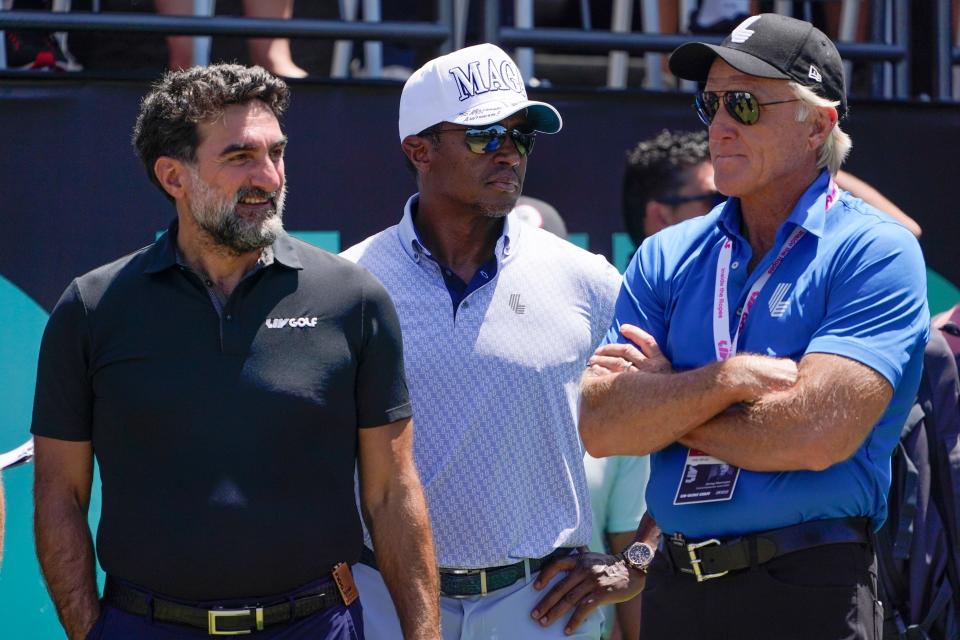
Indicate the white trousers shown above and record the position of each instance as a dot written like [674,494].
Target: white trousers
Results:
[501,615]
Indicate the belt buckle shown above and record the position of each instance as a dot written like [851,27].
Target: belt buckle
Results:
[215,614]
[695,560]
[466,572]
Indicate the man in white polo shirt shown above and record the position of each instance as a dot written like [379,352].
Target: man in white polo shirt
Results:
[498,320]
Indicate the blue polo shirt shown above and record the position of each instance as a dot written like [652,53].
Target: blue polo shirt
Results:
[853,286]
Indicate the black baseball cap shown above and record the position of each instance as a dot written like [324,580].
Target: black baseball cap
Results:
[770,45]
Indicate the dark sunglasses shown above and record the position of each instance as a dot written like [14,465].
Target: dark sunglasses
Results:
[742,106]
[492,138]
[713,199]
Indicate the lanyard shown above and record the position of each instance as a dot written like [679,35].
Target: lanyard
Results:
[726,346]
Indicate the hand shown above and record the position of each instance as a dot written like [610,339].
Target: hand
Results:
[593,579]
[762,374]
[642,354]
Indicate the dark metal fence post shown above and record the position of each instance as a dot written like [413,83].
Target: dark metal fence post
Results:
[491,22]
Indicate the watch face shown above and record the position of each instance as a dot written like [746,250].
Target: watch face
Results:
[639,554]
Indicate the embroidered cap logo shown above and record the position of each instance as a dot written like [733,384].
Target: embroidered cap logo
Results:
[741,34]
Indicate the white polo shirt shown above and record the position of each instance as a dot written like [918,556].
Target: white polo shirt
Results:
[495,389]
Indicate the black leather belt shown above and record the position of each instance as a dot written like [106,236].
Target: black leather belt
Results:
[714,558]
[220,622]
[464,583]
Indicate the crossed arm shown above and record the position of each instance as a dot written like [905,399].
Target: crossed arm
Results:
[63,472]
[396,513]
[752,411]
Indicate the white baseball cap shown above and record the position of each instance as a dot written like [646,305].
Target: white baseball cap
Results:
[477,85]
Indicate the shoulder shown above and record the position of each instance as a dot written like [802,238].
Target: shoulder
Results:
[863,232]
[372,247]
[563,256]
[670,250]
[92,286]
[336,272]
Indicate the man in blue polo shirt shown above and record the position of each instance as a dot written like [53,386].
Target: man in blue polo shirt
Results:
[767,355]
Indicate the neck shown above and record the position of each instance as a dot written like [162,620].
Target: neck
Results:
[460,240]
[763,212]
[224,266]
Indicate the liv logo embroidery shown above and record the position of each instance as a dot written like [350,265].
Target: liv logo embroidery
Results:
[515,304]
[779,306]
[280,323]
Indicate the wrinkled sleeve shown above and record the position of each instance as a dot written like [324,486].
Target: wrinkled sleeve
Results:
[641,298]
[63,400]
[382,395]
[877,303]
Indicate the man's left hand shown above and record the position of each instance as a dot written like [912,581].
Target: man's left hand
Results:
[593,579]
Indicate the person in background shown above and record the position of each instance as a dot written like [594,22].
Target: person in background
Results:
[273,54]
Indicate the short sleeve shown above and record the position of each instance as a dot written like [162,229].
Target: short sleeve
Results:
[63,401]
[606,289]
[640,302]
[877,303]
[627,504]
[382,395]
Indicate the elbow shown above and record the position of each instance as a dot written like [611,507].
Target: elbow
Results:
[591,432]
[822,455]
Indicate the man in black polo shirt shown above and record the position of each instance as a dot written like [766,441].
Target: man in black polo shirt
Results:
[228,378]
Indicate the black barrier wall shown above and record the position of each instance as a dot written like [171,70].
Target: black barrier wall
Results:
[75,196]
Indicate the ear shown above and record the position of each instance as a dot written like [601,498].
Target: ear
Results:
[822,123]
[657,217]
[171,175]
[418,150]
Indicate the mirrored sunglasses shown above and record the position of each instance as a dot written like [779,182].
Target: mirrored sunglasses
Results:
[491,138]
[742,106]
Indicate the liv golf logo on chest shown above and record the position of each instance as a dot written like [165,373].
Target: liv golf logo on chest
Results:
[280,323]
[485,76]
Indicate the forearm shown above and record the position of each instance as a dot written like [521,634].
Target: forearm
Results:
[65,552]
[812,426]
[637,412]
[400,527]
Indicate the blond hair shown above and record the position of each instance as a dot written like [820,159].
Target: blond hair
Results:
[835,149]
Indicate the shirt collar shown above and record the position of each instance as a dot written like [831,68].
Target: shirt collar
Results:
[414,247]
[163,253]
[809,212]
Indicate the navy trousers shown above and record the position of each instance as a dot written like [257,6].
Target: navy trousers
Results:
[336,623]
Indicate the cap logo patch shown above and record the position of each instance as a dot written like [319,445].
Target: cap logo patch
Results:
[741,34]
[477,80]
[814,74]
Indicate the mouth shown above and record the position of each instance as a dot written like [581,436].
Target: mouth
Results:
[256,205]
[505,183]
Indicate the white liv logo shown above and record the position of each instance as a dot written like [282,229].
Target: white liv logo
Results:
[741,34]
[279,323]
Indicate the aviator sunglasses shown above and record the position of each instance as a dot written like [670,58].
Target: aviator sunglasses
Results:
[490,139]
[742,106]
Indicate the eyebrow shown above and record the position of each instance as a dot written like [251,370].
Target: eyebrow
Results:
[241,146]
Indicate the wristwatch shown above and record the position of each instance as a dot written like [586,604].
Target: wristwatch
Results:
[638,555]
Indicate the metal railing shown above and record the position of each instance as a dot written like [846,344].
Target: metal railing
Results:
[890,23]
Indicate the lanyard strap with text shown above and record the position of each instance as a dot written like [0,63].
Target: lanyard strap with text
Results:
[724,344]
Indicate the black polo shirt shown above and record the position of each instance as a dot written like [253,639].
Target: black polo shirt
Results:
[226,443]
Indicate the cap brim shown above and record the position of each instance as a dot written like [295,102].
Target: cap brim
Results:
[692,61]
[541,116]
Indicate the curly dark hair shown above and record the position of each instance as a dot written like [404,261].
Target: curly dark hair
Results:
[169,114]
[655,169]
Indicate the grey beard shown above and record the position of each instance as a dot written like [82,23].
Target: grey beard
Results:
[229,230]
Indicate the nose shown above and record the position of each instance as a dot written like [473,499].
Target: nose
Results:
[268,174]
[723,125]
[508,153]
